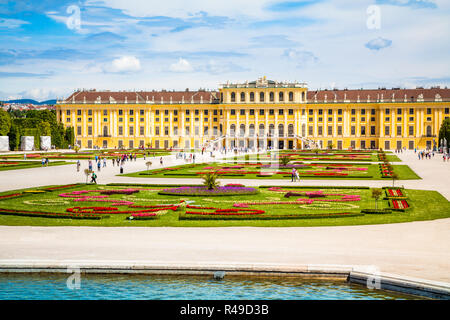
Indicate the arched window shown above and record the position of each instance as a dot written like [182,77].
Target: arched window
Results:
[303,130]
[281,96]
[271,97]
[105,131]
[291,96]
[271,130]
[261,130]
[429,131]
[233,129]
[233,97]
[303,96]
[280,130]
[242,96]
[261,96]
[291,130]
[242,130]
[252,96]
[251,130]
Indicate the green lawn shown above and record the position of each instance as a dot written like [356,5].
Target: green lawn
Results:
[28,164]
[425,205]
[191,171]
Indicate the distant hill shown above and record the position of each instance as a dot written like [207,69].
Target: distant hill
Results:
[31,101]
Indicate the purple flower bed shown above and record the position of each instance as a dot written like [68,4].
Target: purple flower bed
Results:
[203,191]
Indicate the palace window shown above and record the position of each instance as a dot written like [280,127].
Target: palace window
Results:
[131,112]
[166,131]
[291,96]
[131,131]
[141,119]
[196,112]
[319,130]
[156,119]
[252,96]
[411,111]
[166,112]
[281,96]
[339,119]
[79,119]
[187,112]
[215,112]
[105,119]
[399,130]
[310,112]
[363,130]
[290,111]
[320,119]
[252,112]
[310,130]
[68,112]
[89,119]
[330,119]
[387,111]
[330,130]
[330,111]
[320,111]
[157,130]
[205,112]
[105,112]
[261,96]
[399,118]
[339,130]
[233,97]
[271,112]
[232,112]
[141,130]
[363,111]
[411,118]
[186,130]
[215,119]
[242,96]
[78,112]
[79,131]
[352,130]
[399,111]
[387,119]
[428,110]
[373,111]
[157,112]
[339,111]
[89,130]
[447,110]
[372,130]
[196,130]
[175,131]
[242,111]
[353,112]
[196,119]
[120,131]
[363,119]
[386,130]
[261,112]
[311,119]
[131,119]
[120,112]
[281,112]
[166,119]
[205,130]
[141,112]
[411,130]
[271,97]
[205,119]
[67,119]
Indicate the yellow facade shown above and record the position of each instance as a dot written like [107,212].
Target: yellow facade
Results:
[257,114]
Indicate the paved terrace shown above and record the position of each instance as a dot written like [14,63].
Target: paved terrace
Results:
[417,249]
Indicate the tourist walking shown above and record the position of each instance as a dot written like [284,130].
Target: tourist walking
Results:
[293,175]
[78,165]
[161,161]
[94,178]
[90,165]
[104,162]
[98,166]
[297,177]
[121,167]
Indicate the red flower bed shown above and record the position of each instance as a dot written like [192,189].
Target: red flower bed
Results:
[42,214]
[10,195]
[225,212]
[114,210]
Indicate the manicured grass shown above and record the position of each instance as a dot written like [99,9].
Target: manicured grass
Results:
[425,205]
[191,171]
[29,164]
[86,155]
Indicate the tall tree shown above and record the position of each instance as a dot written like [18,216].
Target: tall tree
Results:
[444,132]
[5,123]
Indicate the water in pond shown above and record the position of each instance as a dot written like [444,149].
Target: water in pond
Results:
[152,287]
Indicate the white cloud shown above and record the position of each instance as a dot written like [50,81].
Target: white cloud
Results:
[378,43]
[182,65]
[124,64]
[12,23]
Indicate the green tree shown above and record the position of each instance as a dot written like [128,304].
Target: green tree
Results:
[376,194]
[284,160]
[210,180]
[444,131]
[5,122]
[394,177]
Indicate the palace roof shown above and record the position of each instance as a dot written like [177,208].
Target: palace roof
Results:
[379,95]
[143,97]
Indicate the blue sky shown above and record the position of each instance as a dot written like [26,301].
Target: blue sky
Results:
[50,48]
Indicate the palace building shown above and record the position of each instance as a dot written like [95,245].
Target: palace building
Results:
[261,114]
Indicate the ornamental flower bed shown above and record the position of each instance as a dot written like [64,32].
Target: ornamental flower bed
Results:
[83,195]
[203,191]
[57,215]
[222,212]
[10,196]
[394,193]
[400,205]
